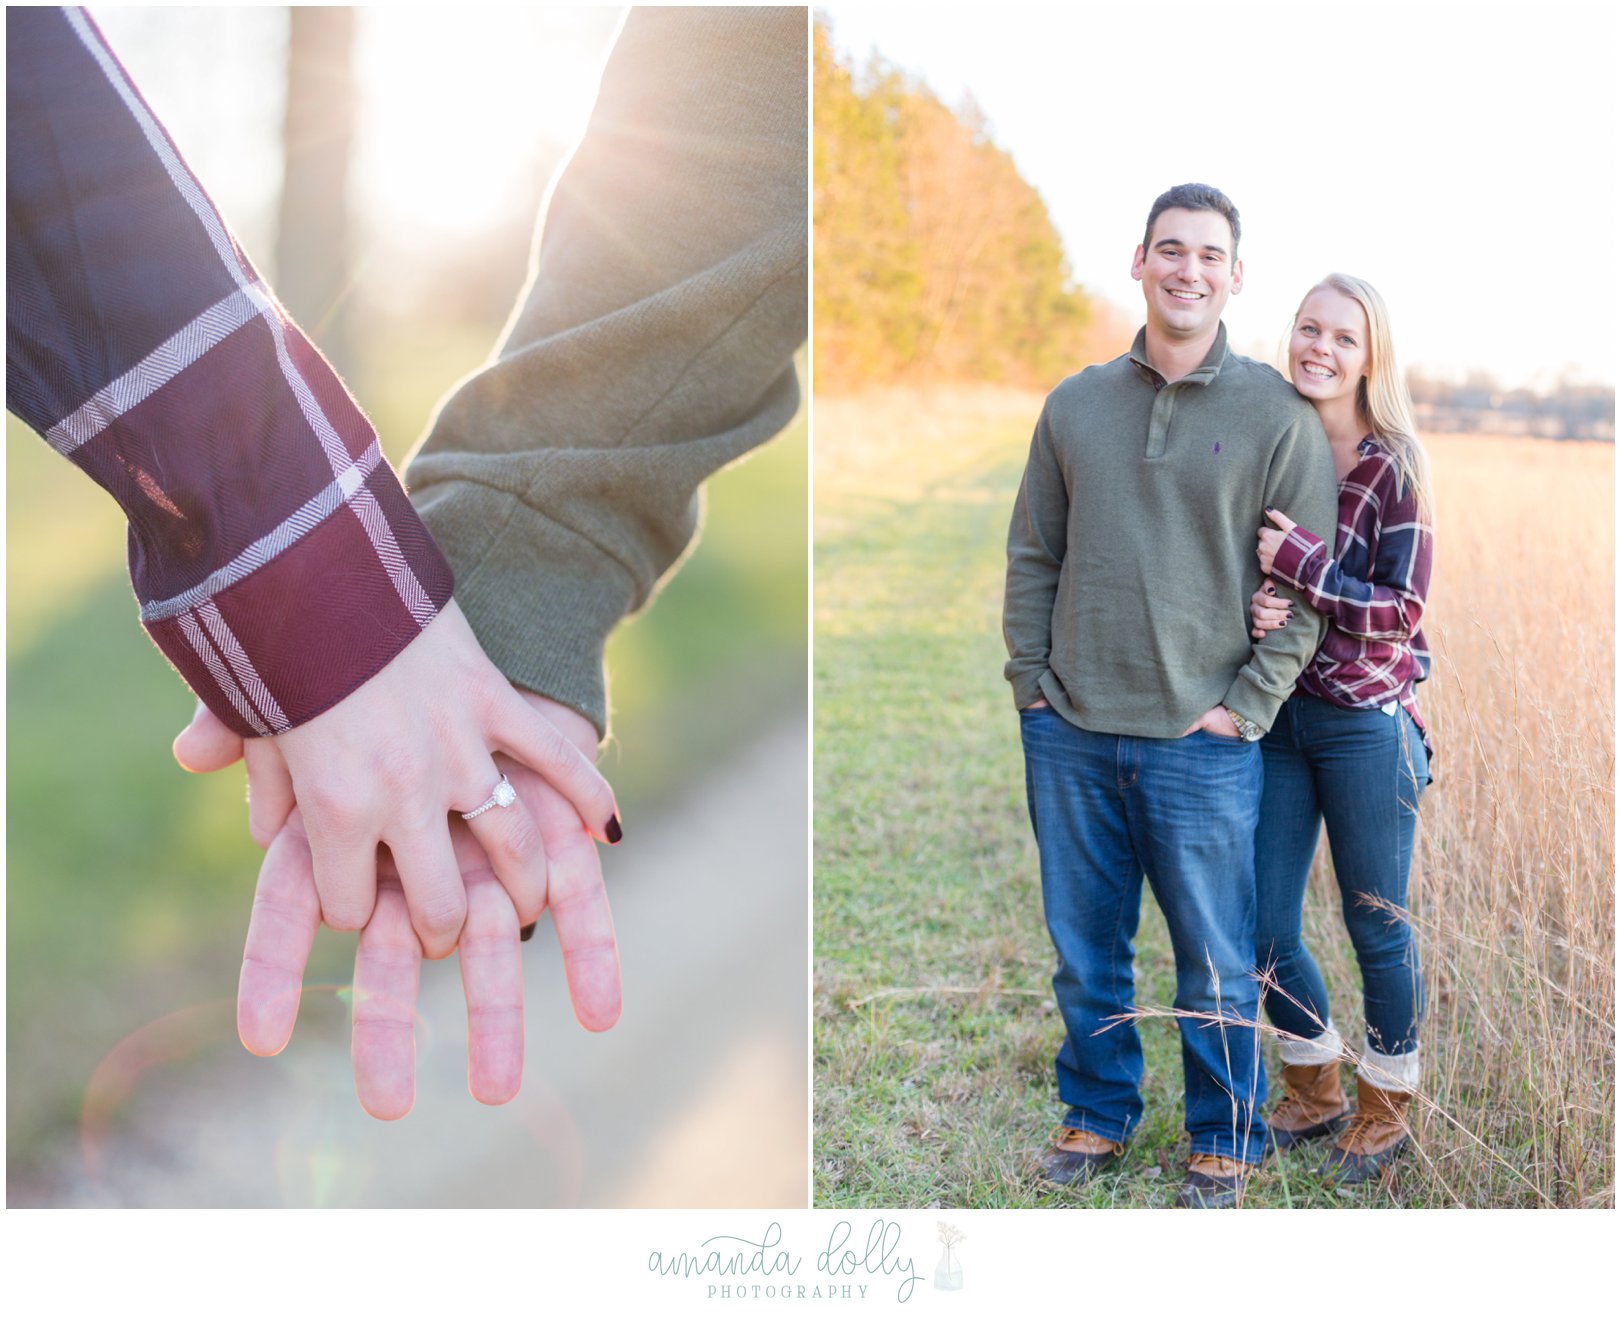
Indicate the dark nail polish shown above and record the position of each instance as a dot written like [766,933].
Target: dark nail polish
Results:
[1270,509]
[1271,590]
[528,932]
[1285,623]
[614,832]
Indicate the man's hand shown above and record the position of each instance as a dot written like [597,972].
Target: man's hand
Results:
[287,911]
[286,914]
[1269,539]
[1268,610]
[1215,721]
[1039,703]
[389,762]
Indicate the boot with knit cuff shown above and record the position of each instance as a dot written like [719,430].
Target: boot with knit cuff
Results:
[1314,1103]
[1385,1085]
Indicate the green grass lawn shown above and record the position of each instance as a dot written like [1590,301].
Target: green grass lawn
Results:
[935,1028]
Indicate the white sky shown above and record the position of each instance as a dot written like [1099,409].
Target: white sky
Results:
[1462,159]
[456,107]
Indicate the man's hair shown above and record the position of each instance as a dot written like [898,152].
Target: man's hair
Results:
[1193,197]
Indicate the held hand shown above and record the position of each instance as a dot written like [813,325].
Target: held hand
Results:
[386,961]
[574,893]
[1270,539]
[287,912]
[390,761]
[1215,721]
[1268,610]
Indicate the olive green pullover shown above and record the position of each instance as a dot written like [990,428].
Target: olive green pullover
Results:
[653,345]
[1131,555]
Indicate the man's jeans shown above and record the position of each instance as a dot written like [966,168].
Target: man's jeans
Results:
[1361,771]
[1107,810]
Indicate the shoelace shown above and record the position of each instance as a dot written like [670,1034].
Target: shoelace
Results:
[1360,1123]
[1291,1095]
[1064,1133]
[1217,1165]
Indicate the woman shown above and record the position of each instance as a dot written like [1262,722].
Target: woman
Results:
[1349,749]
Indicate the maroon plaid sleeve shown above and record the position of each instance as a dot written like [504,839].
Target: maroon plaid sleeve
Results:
[277,561]
[1372,590]
[1375,588]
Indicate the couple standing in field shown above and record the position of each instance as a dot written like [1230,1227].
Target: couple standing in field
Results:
[1210,660]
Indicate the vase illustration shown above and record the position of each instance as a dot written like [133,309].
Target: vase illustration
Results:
[948,1273]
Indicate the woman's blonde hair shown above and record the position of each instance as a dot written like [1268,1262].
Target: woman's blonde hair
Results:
[1381,395]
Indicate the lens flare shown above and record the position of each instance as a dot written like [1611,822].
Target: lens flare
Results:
[177,1113]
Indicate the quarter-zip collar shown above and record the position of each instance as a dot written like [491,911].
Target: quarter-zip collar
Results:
[1202,374]
[1163,412]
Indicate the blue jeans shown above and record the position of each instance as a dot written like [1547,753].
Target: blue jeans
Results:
[1107,810]
[1361,773]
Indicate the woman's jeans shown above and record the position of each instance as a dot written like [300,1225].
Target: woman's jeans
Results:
[1361,773]
[1107,810]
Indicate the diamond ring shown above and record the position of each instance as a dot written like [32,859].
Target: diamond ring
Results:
[504,795]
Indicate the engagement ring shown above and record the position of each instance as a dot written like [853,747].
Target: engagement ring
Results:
[504,795]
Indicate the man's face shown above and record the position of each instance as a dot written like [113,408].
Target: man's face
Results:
[1187,272]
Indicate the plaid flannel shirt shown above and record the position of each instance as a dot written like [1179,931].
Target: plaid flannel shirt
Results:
[1372,591]
[277,561]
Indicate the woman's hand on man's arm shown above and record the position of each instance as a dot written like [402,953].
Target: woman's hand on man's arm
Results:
[1268,610]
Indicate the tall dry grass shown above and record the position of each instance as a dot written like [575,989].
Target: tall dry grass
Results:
[1512,893]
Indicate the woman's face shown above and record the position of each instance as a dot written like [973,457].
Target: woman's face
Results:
[1328,350]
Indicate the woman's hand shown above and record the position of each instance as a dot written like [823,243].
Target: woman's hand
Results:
[1270,540]
[1268,610]
[388,764]
[287,911]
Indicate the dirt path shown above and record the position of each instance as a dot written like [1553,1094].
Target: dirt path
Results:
[698,1097]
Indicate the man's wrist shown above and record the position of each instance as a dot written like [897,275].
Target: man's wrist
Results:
[1247,728]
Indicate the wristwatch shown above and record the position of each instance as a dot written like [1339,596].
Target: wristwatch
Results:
[1248,729]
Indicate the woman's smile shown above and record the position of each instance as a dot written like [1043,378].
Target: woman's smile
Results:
[1328,349]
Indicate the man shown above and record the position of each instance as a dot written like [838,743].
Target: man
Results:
[1131,561]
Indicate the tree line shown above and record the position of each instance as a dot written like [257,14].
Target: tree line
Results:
[1480,405]
[934,259]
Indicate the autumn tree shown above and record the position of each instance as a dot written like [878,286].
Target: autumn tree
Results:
[935,260]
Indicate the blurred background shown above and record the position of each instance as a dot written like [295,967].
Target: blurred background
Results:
[392,208]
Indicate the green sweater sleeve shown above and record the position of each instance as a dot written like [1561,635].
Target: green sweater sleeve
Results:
[653,345]
[1300,485]
[1035,559]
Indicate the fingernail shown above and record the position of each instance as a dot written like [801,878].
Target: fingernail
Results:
[1271,590]
[528,932]
[614,832]
[1285,623]
[1270,509]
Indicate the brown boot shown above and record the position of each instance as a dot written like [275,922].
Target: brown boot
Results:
[1375,1136]
[1313,1105]
[1075,1155]
[1213,1182]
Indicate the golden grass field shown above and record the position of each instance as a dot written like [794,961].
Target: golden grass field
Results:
[1512,890]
